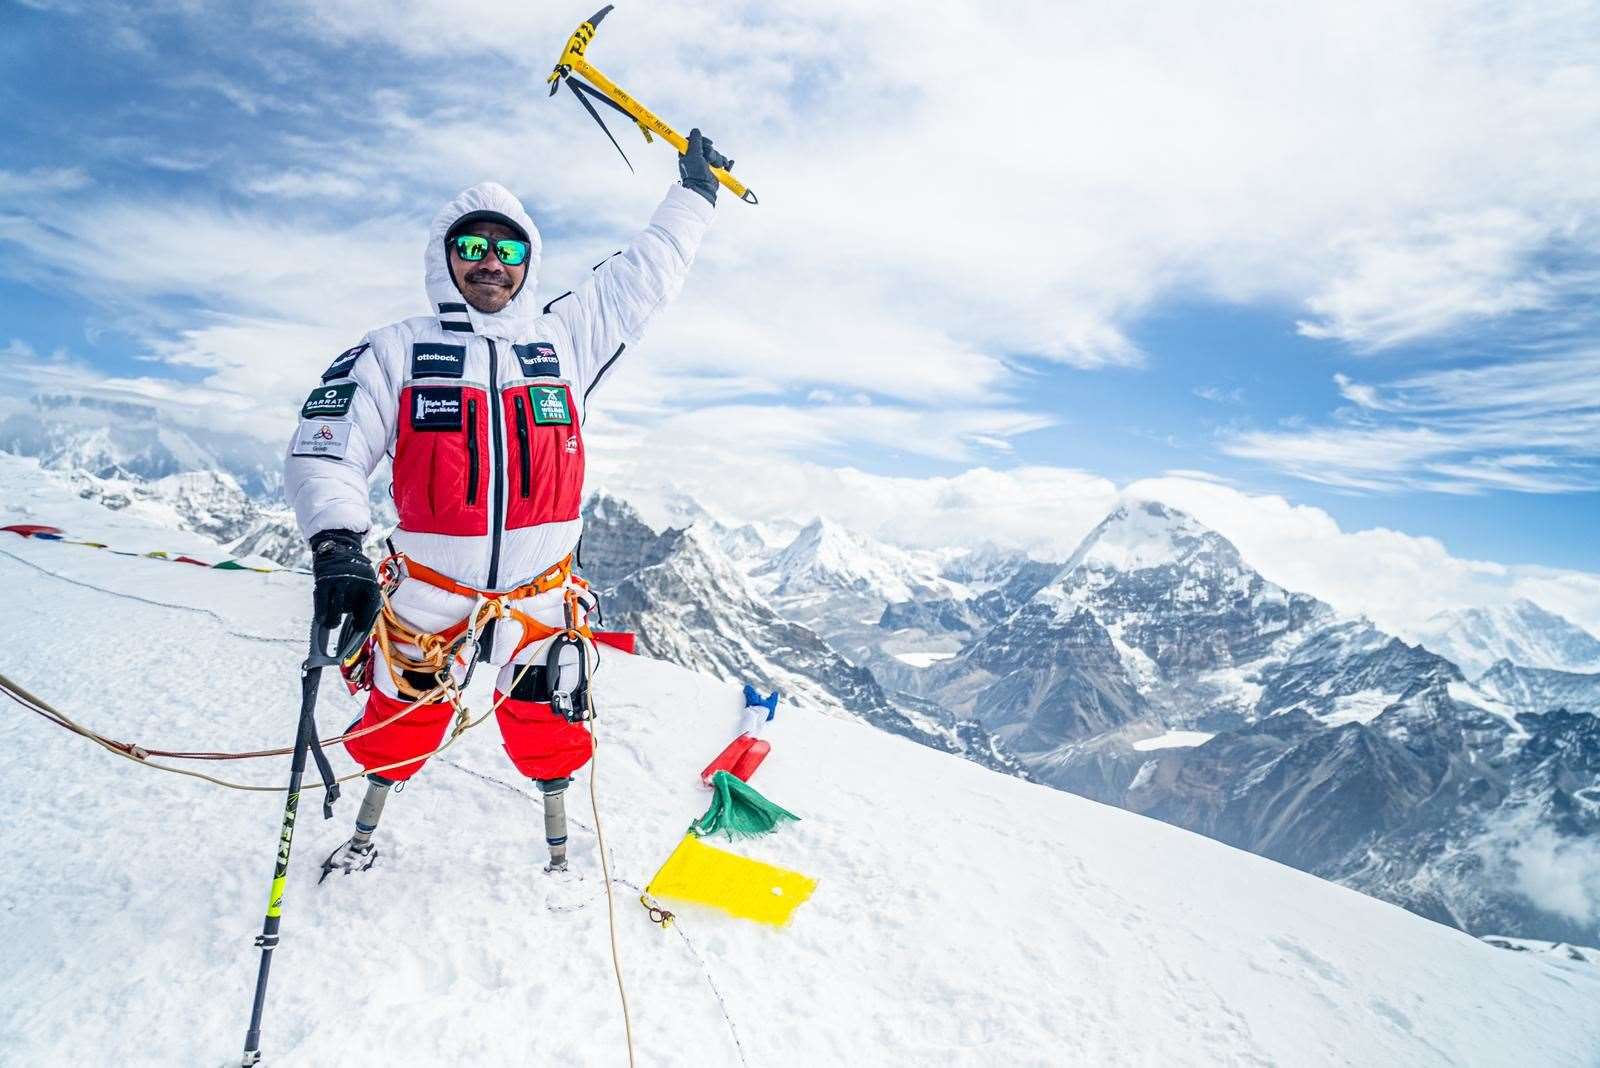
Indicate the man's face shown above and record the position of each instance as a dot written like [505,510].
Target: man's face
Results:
[488,284]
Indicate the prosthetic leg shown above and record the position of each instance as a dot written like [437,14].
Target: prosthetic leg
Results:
[359,853]
[555,821]
[541,722]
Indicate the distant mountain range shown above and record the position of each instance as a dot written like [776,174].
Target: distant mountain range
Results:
[1522,632]
[1154,669]
[1161,673]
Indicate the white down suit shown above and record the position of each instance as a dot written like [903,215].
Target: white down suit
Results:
[482,415]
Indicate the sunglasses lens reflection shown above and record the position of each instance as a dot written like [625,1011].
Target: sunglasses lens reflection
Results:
[471,247]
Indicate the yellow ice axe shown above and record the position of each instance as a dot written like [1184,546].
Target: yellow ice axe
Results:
[572,62]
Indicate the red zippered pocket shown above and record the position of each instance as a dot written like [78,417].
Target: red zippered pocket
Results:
[545,455]
[440,479]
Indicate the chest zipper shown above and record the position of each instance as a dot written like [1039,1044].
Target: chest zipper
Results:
[497,454]
[522,442]
[472,452]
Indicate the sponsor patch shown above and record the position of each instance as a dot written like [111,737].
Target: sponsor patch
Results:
[550,405]
[436,408]
[320,437]
[538,359]
[345,362]
[329,402]
[433,360]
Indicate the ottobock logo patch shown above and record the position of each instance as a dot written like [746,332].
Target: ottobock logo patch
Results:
[538,359]
[433,360]
[329,402]
[344,363]
[319,437]
[436,408]
[550,405]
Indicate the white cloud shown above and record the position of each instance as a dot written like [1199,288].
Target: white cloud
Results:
[1220,395]
[296,184]
[1557,873]
[1395,173]
[41,181]
[1438,274]
[1530,425]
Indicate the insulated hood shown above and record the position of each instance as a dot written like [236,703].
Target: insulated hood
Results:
[514,320]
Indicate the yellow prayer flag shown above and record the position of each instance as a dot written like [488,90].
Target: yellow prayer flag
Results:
[737,885]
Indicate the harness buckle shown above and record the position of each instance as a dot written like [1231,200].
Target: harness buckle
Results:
[395,572]
[566,672]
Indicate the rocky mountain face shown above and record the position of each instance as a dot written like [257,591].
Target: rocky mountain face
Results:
[1160,673]
[1527,689]
[996,592]
[690,604]
[1521,632]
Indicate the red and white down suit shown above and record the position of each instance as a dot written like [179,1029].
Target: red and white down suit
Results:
[483,416]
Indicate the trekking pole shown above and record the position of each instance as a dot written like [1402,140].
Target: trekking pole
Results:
[305,738]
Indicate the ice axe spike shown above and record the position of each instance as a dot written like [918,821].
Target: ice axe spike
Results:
[573,62]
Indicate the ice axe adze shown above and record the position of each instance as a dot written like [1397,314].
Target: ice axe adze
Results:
[572,63]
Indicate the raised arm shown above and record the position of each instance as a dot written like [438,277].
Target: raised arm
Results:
[609,310]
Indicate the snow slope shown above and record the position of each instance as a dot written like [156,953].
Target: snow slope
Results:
[963,917]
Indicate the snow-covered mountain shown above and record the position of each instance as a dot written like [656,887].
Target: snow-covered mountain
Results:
[1521,632]
[827,559]
[690,604]
[121,440]
[750,544]
[1153,618]
[961,917]
[1540,689]
[840,583]
[1161,673]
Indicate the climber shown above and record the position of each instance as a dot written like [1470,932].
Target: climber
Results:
[481,405]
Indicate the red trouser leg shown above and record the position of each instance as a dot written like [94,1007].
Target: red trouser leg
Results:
[540,743]
[418,731]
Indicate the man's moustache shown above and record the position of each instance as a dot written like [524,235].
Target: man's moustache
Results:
[488,278]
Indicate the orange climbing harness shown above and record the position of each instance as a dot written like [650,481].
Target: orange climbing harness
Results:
[438,653]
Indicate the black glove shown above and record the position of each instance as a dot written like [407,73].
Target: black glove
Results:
[694,166]
[345,585]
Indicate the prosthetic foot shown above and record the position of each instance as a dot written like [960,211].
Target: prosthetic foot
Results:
[359,853]
[352,856]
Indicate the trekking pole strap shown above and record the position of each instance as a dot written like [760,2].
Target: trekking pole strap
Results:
[311,677]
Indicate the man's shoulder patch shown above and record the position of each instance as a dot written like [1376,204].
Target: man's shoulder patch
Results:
[322,437]
[430,359]
[345,362]
[329,402]
[538,359]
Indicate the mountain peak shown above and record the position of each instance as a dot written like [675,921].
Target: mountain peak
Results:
[826,557]
[1143,534]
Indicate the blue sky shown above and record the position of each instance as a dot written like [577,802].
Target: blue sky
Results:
[1341,258]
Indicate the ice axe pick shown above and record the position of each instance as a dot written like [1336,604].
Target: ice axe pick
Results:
[596,85]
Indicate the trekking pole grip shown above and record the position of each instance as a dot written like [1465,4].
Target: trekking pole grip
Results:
[320,656]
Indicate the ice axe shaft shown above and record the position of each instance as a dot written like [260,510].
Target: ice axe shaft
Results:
[572,61]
